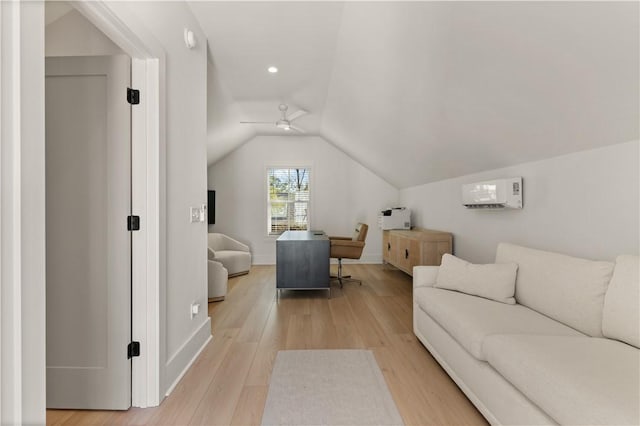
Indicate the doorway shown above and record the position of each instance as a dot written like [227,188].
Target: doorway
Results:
[111,33]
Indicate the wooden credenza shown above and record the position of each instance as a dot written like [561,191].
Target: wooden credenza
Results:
[406,249]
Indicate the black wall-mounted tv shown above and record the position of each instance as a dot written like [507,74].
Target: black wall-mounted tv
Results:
[211,207]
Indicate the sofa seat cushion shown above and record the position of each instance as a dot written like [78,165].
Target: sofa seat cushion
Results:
[575,380]
[470,319]
[236,262]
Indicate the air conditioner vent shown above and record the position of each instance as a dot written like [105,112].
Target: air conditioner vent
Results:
[493,194]
[485,206]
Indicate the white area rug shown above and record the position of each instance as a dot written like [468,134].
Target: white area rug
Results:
[328,387]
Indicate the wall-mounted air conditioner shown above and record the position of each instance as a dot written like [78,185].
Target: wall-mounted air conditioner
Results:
[493,194]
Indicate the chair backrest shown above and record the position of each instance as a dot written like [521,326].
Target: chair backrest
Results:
[360,233]
[215,241]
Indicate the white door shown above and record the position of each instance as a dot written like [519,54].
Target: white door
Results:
[88,199]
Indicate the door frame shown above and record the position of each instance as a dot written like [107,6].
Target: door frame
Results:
[22,223]
[22,226]
[147,192]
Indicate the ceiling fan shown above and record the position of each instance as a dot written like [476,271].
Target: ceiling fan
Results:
[284,122]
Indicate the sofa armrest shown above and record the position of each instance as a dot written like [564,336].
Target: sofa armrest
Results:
[424,276]
[231,244]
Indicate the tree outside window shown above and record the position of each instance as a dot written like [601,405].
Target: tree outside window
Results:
[288,199]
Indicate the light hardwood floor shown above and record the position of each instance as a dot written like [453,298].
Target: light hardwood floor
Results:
[228,383]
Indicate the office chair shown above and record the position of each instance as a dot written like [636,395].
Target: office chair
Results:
[348,248]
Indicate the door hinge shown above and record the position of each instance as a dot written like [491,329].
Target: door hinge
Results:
[133,96]
[133,349]
[133,223]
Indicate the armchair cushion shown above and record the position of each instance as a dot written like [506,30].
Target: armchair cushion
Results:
[236,262]
[234,255]
[349,248]
[223,242]
[346,249]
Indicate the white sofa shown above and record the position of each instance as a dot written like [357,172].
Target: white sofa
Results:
[234,255]
[565,353]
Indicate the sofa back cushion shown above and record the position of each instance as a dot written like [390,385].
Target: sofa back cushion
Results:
[565,288]
[620,318]
[496,282]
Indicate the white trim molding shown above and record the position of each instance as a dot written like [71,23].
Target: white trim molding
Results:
[270,259]
[22,220]
[202,337]
[148,61]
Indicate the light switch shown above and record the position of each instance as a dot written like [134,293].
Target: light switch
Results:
[195,214]
[203,213]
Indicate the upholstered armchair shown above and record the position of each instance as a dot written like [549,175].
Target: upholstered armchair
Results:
[233,255]
[348,248]
[217,278]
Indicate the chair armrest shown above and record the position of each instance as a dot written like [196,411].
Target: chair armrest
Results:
[216,266]
[231,244]
[425,276]
[341,238]
[347,243]
[211,254]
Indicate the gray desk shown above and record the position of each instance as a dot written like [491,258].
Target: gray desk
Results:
[302,261]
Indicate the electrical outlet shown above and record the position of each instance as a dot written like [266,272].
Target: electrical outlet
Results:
[195,308]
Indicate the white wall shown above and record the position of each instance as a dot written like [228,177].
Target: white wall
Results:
[343,192]
[184,96]
[182,182]
[584,204]
[73,35]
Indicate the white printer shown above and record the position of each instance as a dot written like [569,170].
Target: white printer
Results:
[395,218]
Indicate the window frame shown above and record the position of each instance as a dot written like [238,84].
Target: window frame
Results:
[267,210]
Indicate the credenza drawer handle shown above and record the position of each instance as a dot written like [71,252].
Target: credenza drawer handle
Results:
[388,246]
[406,253]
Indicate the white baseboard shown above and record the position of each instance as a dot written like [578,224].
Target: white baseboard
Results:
[271,259]
[265,259]
[184,357]
[366,259]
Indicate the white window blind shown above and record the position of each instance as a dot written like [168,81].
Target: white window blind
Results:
[287,199]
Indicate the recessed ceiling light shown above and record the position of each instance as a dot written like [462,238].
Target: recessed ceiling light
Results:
[272,70]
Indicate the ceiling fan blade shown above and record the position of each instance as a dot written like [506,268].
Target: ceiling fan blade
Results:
[257,122]
[296,128]
[296,114]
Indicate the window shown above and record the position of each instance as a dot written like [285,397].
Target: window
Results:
[287,199]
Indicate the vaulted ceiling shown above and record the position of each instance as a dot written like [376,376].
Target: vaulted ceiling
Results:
[424,91]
